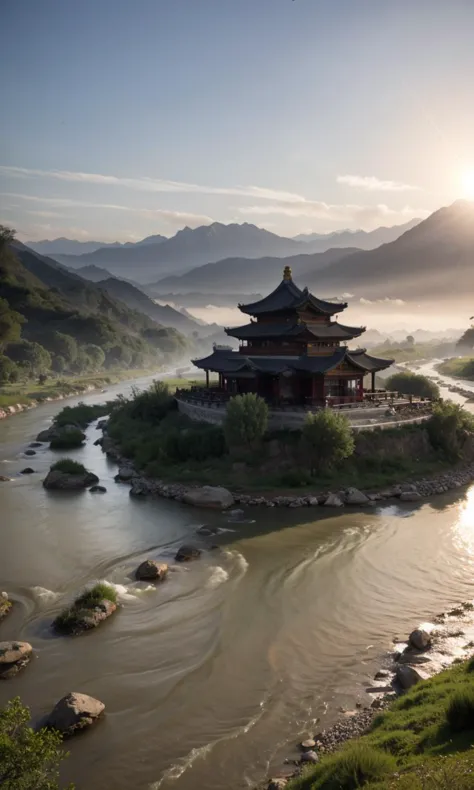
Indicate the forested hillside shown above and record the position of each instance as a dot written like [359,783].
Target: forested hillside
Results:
[53,321]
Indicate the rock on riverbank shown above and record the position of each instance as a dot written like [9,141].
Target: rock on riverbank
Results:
[14,656]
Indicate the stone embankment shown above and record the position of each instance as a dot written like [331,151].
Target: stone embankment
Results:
[216,496]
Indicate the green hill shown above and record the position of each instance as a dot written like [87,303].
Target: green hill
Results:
[53,320]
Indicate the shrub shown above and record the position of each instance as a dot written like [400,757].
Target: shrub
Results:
[8,370]
[354,766]
[245,421]
[295,478]
[67,440]
[194,444]
[69,467]
[82,414]
[460,711]
[153,404]
[327,438]
[448,428]
[28,758]
[413,384]
[68,619]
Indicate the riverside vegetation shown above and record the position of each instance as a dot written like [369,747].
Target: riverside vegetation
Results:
[423,741]
[148,429]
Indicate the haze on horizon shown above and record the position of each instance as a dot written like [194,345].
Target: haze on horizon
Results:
[125,120]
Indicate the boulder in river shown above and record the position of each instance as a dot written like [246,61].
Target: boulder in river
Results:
[35,444]
[57,480]
[408,676]
[125,473]
[4,479]
[30,452]
[207,531]
[187,553]
[27,471]
[98,490]
[13,657]
[410,496]
[332,500]
[209,496]
[5,605]
[151,570]
[355,497]
[309,757]
[90,609]
[74,712]
[48,434]
[419,639]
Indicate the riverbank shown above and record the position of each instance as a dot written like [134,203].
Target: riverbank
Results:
[15,398]
[410,720]
[450,479]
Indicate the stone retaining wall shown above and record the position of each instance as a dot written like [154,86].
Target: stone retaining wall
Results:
[362,419]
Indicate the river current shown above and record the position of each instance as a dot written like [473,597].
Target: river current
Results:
[209,678]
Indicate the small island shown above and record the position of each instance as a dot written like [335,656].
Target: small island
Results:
[88,610]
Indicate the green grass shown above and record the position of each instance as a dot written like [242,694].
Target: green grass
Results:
[68,440]
[68,620]
[69,467]
[81,415]
[434,720]
[461,367]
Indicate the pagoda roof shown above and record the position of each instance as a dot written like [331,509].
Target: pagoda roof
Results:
[287,296]
[262,330]
[232,362]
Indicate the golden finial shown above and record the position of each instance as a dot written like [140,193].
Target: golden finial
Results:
[287,273]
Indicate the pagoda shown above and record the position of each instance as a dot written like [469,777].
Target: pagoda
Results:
[294,352]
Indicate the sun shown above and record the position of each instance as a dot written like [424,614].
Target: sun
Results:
[467,181]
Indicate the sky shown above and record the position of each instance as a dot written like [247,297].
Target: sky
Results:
[124,118]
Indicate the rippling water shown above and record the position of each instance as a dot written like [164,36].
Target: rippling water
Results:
[207,677]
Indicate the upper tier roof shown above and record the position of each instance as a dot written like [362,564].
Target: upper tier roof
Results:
[331,331]
[287,296]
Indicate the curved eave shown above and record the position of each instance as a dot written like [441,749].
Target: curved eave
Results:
[368,363]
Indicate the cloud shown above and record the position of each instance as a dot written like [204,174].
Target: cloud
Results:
[352,215]
[145,184]
[45,213]
[373,184]
[386,300]
[174,218]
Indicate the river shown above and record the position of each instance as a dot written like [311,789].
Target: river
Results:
[208,677]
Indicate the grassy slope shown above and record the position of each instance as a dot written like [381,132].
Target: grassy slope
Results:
[462,367]
[415,730]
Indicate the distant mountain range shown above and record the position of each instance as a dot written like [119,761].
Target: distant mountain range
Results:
[64,246]
[155,257]
[363,240]
[432,261]
[236,273]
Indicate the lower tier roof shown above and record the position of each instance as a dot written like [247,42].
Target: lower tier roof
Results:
[232,362]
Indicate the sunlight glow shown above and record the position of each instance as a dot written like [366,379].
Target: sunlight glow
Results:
[467,180]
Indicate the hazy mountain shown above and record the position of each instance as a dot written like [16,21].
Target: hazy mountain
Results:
[433,260]
[363,240]
[235,273]
[187,249]
[93,273]
[137,300]
[196,299]
[63,246]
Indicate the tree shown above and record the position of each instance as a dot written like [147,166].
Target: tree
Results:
[29,759]
[413,384]
[96,356]
[410,340]
[466,342]
[10,323]
[8,370]
[32,356]
[246,421]
[449,427]
[7,235]
[61,344]
[327,438]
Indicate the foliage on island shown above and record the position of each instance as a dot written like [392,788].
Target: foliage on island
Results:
[69,467]
[68,439]
[246,421]
[422,742]
[408,383]
[460,367]
[29,759]
[70,620]
[82,414]
[449,428]
[53,323]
